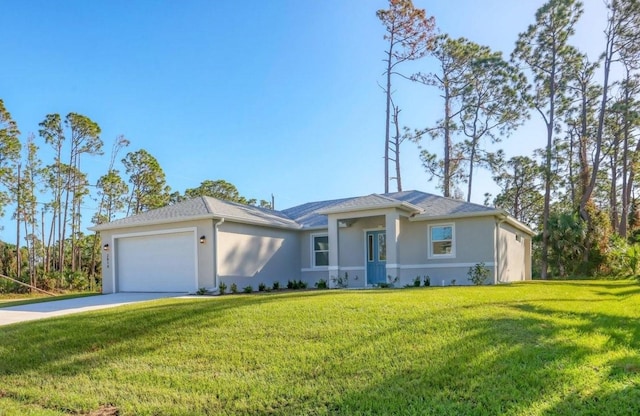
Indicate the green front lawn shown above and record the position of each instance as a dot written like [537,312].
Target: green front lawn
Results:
[7,300]
[541,348]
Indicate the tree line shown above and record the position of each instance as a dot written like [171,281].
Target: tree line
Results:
[51,251]
[580,189]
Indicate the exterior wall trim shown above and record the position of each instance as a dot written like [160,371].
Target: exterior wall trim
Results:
[400,266]
[352,268]
[314,269]
[325,269]
[441,265]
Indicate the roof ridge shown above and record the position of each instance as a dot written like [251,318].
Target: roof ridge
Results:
[207,205]
[383,196]
[245,206]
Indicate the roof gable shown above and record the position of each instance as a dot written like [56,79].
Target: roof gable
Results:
[312,215]
[307,214]
[435,206]
[203,208]
[249,213]
[192,208]
[373,201]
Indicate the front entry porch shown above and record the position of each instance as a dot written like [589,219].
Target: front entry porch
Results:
[364,245]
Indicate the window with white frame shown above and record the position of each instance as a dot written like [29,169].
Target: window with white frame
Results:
[320,250]
[442,240]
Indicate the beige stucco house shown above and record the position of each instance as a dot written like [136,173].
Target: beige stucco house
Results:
[374,240]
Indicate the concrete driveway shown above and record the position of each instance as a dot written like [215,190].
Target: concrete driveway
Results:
[43,310]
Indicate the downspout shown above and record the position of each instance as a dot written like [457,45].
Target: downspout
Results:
[496,267]
[215,253]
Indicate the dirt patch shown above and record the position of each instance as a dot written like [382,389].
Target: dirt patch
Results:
[106,410]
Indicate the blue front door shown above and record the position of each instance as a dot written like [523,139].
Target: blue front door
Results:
[376,257]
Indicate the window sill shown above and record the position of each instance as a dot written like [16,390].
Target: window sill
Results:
[441,256]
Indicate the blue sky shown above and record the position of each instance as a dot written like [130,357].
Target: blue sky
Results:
[277,97]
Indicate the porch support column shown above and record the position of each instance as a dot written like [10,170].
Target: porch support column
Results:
[392,225]
[334,267]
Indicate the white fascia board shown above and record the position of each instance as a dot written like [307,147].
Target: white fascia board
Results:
[316,228]
[108,226]
[427,217]
[520,226]
[402,205]
[115,226]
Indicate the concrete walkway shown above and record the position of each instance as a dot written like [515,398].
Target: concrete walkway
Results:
[23,313]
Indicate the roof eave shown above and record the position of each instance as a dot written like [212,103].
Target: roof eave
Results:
[315,228]
[116,225]
[517,224]
[111,226]
[406,206]
[426,217]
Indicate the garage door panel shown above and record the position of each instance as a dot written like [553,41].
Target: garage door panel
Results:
[156,263]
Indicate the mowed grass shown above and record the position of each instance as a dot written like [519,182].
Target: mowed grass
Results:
[8,300]
[540,348]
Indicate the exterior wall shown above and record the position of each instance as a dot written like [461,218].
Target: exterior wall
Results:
[514,255]
[474,243]
[205,252]
[249,255]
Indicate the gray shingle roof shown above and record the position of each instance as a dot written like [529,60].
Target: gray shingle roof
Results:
[307,215]
[192,208]
[372,201]
[202,208]
[249,213]
[435,206]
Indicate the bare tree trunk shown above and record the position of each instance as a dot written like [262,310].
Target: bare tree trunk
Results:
[52,233]
[608,58]
[18,218]
[624,208]
[63,230]
[472,157]
[33,251]
[44,252]
[29,242]
[544,264]
[626,164]
[396,147]
[387,122]
[584,164]
[446,177]
[73,223]
[572,185]
[613,194]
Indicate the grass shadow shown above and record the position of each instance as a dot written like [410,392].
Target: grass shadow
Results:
[532,358]
[459,352]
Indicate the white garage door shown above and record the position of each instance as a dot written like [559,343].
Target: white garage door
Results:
[156,263]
